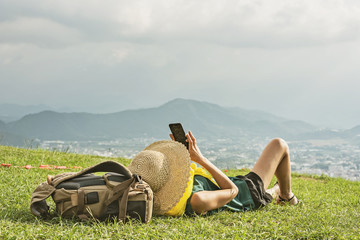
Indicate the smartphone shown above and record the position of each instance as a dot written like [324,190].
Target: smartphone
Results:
[178,133]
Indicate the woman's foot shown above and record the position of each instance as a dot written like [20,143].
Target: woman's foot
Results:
[274,191]
[292,201]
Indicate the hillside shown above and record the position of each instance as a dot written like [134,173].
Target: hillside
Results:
[9,139]
[209,120]
[353,132]
[13,112]
[330,209]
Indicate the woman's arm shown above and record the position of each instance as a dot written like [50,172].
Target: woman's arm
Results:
[204,201]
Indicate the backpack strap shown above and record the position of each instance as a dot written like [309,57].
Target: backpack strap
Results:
[107,166]
[121,193]
[123,203]
[38,204]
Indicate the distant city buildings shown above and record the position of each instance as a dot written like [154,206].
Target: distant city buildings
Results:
[334,159]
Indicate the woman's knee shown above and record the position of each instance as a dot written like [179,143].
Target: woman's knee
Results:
[280,144]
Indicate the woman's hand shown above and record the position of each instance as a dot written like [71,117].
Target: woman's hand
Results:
[195,153]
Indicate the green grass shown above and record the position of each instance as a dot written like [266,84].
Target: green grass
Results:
[330,209]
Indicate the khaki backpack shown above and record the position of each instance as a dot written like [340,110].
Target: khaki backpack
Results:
[117,194]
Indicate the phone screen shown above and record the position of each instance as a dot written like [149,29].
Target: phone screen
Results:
[178,133]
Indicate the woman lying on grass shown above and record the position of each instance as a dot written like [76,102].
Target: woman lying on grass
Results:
[165,166]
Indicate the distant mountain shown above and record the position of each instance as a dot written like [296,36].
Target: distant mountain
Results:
[13,112]
[203,118]
[353,134]
[9,139]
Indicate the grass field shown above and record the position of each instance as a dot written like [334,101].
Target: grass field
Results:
[330,209]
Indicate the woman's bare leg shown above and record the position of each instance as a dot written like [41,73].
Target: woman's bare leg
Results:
[275,159]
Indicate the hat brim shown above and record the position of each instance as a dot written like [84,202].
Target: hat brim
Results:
[179,163]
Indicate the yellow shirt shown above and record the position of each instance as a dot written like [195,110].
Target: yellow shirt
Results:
[179,209]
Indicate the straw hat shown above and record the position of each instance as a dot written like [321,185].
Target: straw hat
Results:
[165,166]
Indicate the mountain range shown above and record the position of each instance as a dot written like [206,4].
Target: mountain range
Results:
[203,118]
[13,112]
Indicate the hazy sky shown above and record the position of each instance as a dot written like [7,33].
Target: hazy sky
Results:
[298,59]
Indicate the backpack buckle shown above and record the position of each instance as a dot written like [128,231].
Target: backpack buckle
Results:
[138,178]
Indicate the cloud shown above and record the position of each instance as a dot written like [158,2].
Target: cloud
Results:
[39,31]
[259,23]
[286,57]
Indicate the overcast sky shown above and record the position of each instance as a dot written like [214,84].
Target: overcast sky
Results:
[298,59]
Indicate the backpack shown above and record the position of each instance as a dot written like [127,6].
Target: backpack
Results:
[117,194]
